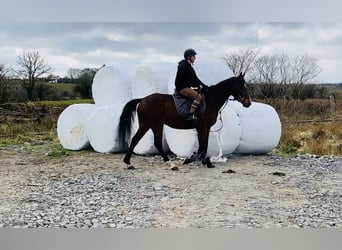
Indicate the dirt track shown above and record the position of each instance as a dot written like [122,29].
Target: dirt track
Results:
[89,189]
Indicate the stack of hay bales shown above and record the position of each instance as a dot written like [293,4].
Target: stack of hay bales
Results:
[97,121]
[253,130]
[82,125]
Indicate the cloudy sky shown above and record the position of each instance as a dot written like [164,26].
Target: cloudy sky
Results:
[160,45]
[155,33]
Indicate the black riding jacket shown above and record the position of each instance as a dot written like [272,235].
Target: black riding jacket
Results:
[186,76]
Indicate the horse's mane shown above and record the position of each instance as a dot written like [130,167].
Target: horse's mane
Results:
[224,83]
[219,93]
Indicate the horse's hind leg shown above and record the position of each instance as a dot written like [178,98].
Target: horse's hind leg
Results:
[136,138]
[158,141]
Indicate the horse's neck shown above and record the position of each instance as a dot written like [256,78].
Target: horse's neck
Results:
[218,96]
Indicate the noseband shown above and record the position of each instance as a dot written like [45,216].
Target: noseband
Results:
[241,98]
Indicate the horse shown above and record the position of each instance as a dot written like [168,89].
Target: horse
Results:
[158,109]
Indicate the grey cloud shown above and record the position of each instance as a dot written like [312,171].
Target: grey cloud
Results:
[79,41]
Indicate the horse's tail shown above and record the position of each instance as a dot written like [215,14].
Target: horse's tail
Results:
[125,123]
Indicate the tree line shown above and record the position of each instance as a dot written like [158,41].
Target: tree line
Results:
[274,76]
[27,80]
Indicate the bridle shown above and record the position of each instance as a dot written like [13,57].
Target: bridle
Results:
[240,97]
[220,116]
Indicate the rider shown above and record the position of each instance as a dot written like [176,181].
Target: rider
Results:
[186,78]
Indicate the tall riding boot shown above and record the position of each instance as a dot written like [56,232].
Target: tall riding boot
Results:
[192,113]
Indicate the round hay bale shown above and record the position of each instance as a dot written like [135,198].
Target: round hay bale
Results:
[71,126]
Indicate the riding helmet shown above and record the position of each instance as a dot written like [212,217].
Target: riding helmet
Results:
[189,52]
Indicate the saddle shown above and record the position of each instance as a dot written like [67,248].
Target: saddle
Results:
[183,105]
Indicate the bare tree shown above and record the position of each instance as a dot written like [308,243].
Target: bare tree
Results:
[266,73]
[305,68]
[276,75]
[284,66]
[266,69]
[241,61]
[30,67]
[74,73]
[4,85]
[84,82]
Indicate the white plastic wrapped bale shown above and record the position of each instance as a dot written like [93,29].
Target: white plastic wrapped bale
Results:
[102,127]
[212,71]
[109,87]
[182,142]
[146,144]
[71,126]
[145,83]
[225,135]
[171,80]
[260,128]
[223,138]
[162,78]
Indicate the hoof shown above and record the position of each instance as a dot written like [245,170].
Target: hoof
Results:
[127,160]
[131,167]
[210,165]
[175,168]
[191,159]
[207,162]
[187,161]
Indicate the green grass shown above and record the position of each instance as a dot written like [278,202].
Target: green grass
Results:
[62,102]
[287,149]
[57,150]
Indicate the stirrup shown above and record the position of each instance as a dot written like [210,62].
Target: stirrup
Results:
[191,117]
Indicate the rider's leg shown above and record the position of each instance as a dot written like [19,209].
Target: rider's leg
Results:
[196,97]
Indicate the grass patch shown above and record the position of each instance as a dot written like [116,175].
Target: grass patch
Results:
[5,142]
[287,150]
[62,102]
[12,129]
[57,150]
[311,138]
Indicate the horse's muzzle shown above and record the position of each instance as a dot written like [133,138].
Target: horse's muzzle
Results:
[246,101]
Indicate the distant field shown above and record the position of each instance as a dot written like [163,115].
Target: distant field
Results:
[62,86]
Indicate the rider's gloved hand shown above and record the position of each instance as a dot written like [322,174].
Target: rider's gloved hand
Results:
[204,87]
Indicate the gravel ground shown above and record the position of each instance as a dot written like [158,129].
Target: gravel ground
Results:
[88,189]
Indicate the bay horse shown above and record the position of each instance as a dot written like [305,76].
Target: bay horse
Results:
[157,109]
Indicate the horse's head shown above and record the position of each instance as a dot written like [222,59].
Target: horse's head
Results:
[240,91]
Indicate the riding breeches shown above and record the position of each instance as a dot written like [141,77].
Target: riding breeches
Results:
[194,95]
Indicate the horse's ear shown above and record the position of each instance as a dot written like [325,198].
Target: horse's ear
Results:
[242,74]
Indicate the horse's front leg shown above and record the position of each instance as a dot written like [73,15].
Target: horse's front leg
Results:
[208,162]
[202,155]
[191,159]
[203,136]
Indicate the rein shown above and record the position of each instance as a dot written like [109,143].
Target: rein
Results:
[220,115]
